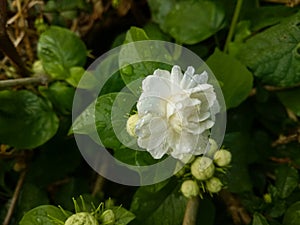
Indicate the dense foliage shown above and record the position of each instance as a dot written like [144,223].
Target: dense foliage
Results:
[253,48]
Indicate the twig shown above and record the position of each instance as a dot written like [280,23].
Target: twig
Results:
[14,199]
[233,24]
[235,208]
[42,79]
[6,45]
[190,215]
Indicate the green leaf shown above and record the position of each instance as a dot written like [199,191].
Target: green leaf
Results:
[99,114]
[198,20]
[274,54]
[259,219]
[238,175]
[26,120]
[122,216]
[236,81]
[155,33]
[44,214]
[61,95]
[290,99]
[292,215]
[133,74]
[159,204]
[59,49]
[286,180]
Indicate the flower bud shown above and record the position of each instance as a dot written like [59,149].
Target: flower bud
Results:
[213,147]
[222,157]
[189,188]
[268,198]
[214,185]
[107,217]
[81,218]
[131,123]
[203,168]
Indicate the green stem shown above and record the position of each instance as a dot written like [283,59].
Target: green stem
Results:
[233,24]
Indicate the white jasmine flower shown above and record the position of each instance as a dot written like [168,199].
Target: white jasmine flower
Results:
[176,112]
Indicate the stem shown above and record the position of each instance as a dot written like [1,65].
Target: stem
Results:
[14,199]
[190,215]
[42,79]
[6,45]
[233,24]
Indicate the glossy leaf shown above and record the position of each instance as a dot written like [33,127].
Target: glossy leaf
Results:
[259,219]
[159,204]
[44,214]
[61,95]
[26,120]
[286,180]
[292,215]
[274,54]
[236,81]
[122,216]
[198,20]
[59,49]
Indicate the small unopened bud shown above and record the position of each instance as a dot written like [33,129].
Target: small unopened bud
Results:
[268,198]
[203,168]
[213,148]
[131,123]
[222,158]
[82,218]
[107,217]
[214,185]
[189,188]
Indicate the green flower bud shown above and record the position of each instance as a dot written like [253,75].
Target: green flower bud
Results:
[81,218]
[131,123]
[268,198]
[203,168]
[189,188]
[222,157]
[107,217]
[213,148]
[214,185]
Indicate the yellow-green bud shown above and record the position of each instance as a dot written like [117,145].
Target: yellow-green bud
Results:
[268,198]
[214,185]
[203,168]
[82,218]
[107,217]
[131,123]
[213,148]
[189,188]
[222,158]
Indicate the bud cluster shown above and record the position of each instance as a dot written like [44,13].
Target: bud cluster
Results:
[205,171]
[99,216]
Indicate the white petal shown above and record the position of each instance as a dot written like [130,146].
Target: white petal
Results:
[187,77]
[176,75]
[151,104]
[156,86]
